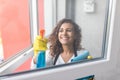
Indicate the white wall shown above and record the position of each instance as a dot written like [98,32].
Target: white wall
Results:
[92,25]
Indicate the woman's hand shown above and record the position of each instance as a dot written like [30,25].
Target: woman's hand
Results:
[34,60]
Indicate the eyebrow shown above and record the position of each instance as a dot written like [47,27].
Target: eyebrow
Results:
[67,28]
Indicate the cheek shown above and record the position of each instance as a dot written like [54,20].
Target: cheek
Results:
[72,35]
[58,35]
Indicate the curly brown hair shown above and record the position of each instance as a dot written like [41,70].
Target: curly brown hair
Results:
[55,45]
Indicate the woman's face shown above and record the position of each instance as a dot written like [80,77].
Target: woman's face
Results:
[66,34]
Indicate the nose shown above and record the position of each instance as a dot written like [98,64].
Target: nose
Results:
[64,32]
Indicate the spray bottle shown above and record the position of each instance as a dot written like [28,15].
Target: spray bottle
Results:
[40,47]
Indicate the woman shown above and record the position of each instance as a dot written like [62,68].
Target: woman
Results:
[64,43]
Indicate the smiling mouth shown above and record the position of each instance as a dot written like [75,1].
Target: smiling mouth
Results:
[64,38]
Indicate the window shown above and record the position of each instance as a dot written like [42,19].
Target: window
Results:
[94,24]
[15,30]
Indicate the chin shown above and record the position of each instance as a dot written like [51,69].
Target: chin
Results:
[65,43]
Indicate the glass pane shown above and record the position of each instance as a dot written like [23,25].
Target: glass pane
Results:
[14,27]
[88,14]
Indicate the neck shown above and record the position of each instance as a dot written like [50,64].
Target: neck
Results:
[68,49]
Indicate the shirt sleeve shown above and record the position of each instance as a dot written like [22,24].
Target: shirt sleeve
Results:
[33,65]
[49,59]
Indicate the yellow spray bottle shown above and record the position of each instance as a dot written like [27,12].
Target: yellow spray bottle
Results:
[40,46]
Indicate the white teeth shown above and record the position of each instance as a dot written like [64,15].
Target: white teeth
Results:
[64,38]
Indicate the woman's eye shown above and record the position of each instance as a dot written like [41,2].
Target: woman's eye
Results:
[69,30]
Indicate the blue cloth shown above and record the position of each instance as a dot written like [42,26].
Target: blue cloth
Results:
[81,56]
[41,63]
